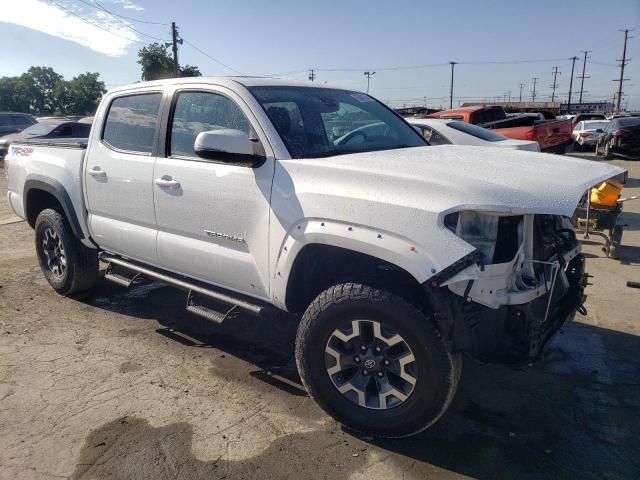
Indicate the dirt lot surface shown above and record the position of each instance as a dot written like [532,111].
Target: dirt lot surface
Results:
[119,385]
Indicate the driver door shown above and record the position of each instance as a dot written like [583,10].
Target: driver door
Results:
[212,217]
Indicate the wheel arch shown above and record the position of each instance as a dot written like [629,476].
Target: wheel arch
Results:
[317,266]
[40,193]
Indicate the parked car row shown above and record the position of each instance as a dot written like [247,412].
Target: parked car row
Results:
[553,136]
[21,126]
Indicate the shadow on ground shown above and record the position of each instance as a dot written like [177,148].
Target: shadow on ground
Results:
[574,415]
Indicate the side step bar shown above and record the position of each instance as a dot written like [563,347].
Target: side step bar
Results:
[191,287]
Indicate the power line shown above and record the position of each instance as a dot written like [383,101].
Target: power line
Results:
[128,18]
[115,17]
[211,58]
[533,92]
[584,65]
[623,62]
[89,22]
[555,75]
[573,64]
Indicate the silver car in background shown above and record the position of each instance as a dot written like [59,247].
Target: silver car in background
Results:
[439,131]
[586,133]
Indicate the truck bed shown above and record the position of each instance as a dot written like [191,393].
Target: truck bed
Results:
[56,163]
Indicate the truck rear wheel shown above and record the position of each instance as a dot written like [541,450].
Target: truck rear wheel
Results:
[374,362]
[66,263]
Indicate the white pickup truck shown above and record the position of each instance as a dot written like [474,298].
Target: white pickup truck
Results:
[250,194]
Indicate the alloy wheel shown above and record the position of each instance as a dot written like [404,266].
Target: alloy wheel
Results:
[370,365]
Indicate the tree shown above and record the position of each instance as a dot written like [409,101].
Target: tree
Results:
[43,81]
[43,91]
[157,64]
[81,95]
[190,71]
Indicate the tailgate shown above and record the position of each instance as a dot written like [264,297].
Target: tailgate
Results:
[552,133]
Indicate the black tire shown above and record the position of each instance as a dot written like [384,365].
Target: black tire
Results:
[80,267]
[437,369]
[577,147]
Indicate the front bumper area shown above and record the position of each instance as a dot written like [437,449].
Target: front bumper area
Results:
[513,334]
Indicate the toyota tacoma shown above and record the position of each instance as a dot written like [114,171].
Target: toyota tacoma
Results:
[244,193]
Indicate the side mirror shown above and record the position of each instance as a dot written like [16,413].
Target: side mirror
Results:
[228,146]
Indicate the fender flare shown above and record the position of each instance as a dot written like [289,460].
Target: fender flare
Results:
[384,245]
[57,190]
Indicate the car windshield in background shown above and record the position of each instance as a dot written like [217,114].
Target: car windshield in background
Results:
[39,129]
[322,122]
[478,132]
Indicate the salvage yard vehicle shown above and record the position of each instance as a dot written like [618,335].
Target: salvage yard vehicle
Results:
[399,256]
[586,133]
[621,135]
[553,136]
[440,131]
[54,128]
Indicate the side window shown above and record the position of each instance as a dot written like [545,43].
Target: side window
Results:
[81,131]
[131,122]
[5,121]
[197,112]
[64,131]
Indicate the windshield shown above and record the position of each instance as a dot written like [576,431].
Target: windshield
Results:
[478,132]
[38,129]
[322,122]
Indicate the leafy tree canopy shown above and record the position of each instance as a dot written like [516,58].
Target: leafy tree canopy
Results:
[42,91]
[156,63]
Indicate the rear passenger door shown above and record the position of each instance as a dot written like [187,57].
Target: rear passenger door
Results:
[119,176]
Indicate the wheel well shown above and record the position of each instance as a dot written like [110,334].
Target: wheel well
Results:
[318,266]
[38,200]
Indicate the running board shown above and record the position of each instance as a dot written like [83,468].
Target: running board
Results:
[196,307]
[189,286]
[120,278]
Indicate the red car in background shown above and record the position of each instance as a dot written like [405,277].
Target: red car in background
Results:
[553,136]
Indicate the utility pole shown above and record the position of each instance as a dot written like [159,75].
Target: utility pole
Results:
[623,62]
[533,92]
[369,75]
[509,97]
[584,65]
[520,99]
[453,64]
[555,83]
[174,47]
[573,64]
[425,101]
[312,74]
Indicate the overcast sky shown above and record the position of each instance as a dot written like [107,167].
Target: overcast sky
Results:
[408,43]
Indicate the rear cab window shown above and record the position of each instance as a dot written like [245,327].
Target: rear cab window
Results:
[131,122]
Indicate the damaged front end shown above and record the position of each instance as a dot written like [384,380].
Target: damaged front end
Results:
[525,280]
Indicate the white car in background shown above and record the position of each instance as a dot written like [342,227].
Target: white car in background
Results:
[586,133]
[439,131]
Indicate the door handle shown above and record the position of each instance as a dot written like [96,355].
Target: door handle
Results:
[97,172]
[167,181]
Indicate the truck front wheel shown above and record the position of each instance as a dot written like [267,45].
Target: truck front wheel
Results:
[66,263]
[374,362]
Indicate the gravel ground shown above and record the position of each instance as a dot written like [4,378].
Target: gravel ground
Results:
[121,384]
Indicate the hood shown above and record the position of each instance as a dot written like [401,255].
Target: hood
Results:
[456,177]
